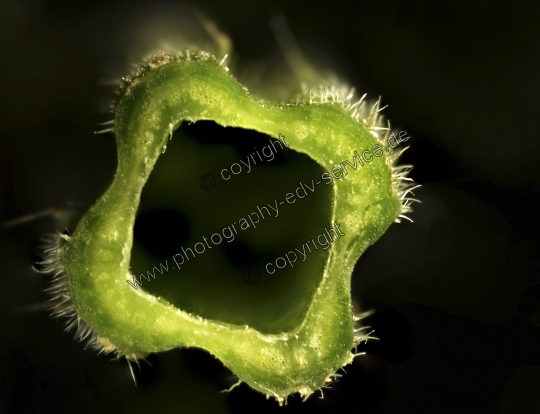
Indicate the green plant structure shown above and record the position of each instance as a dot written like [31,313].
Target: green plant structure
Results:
[301,350]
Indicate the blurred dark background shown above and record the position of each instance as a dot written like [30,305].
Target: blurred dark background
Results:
[456,294]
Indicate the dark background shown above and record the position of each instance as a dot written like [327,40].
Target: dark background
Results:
[456,294]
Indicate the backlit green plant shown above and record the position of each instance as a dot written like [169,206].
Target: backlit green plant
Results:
[93,264]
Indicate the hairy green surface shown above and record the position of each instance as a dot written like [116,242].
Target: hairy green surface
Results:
[279,359]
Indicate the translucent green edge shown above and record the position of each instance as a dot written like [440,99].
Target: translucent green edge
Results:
[96,258]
